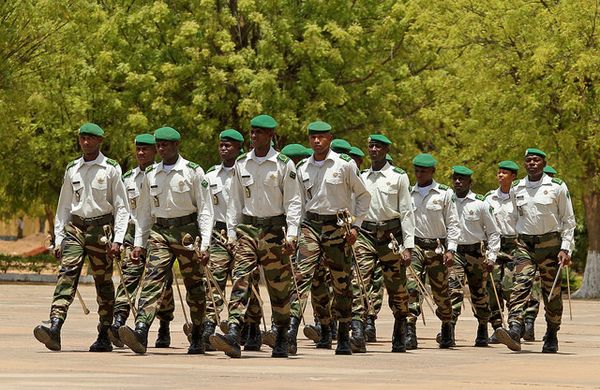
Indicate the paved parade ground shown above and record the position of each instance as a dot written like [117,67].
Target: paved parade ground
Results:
[25,363]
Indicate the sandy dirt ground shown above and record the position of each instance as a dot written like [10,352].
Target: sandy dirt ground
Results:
[31,243]
[26,364]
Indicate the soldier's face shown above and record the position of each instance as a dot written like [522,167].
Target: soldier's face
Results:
[229,150]
[90,144]
[261,138]
[145,154]
[461,183]
[167,149]
[534,165]
[505,177]
[320,142]
[424,175]
[377,151]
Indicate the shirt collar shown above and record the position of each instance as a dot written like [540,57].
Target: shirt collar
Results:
[433,186]
[330,156]
[100,160]
[179,165]
[385,171]
[271,155]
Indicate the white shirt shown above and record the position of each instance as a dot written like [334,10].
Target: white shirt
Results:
[133,180]
[264,189]
[181,191]
[436,215]
[390,199]
[477,224]
[545,207]
[328,189]
[89,190]
[219,178]
[504,211]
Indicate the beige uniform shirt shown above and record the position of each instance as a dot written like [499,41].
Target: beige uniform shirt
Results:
[545,207]
[264,189]
[328,188]
[133,180]
[219,178]
[436,215]
[92,189]
[390,199]
[181,191]
[504,211]
[477,224]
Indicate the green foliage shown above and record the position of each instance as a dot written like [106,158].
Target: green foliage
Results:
[35,264]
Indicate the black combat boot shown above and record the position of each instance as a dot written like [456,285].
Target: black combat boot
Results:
[399,335]
[325,339]
[313,332]
[49,336]
[281,349]
[411,335]
[293,335]
[164,335]
[269,336]
[254,338]
[357,341]
[113,333]
[493,339]
[136,339]
[551,339]
[529,331]
[197,341]
[209,330]
[512,337]
[370,331]
[334,327]
[343,341]
[447,334]
[243,333]
[102,343]
[229,343]
[481,340]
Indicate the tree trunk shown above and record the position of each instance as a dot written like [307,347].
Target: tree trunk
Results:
[591,276]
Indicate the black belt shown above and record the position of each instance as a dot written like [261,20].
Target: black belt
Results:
[220,226]
[469,248]
[321,218]
[278,220]
[536,239]
[85,223]
[374,227]
[429,243]
[177,221]
[507,240]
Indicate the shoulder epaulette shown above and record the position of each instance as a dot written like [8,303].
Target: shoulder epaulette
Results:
[150,168]
[300,163]
[212,168]
[112,162]
[128,173]
[399,170]
[443,187]
[345,157]
[241,156]
[557,180]
[480,197]
[364,171]
[71,164]
[515,182]
[490,192]
[283,157]
[410,188]
[192,165]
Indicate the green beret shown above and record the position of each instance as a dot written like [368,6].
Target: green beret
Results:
[388,157]
[424,160]
[232,135]
[535,152]
[295,150]
[461,170]
[145,139]
[382,139]
[340,145]
[263,122]
[91,129]
[354,151]
[510,165]
[549,170]
[167,134]
[319,127]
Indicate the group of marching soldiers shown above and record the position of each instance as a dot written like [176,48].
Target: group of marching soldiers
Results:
[316,226]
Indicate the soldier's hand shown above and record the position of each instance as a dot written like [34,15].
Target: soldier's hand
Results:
[352,236]
[203,257]
[406,257]
[489,265]
[58,252]
[136,253]
[563,258]
[289,246]
[115,249]
[448,259]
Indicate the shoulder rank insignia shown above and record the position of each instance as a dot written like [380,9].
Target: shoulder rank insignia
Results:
[557,180]
[112,162]
[488,194]
[283,158]
[345,157]
[399,170]
[71,164]
[212,168]
[149,169]
[515,183]
[192,165]
[479,197]
[204,183]
[443,187]
[241,156]
[301,163]
[128,173]
[292,174]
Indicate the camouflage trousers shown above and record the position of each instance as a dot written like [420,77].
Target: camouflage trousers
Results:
[324,255]
[260,247]
[369,254]
[503,278]
[542,254]
[221,266]
[469,267]
[76,245]
[427,262]
[164,246]
[376,291]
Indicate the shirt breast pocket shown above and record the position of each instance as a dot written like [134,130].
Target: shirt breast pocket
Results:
[434,205]
[334,180]
[99,186]
[390,194]
[248,183]
[155,193]
[132,195]
[77,190]
[472,215]
[215,190]
[272,179]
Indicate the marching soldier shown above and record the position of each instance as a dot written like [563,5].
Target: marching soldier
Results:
[390,214]
[477,226]
[221,254]
[296,152]
[92,200]
[145,152]
[545,228]
[436,235]
[265,198]
[340,145]
[357,155]
[331,185]
[174,202]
